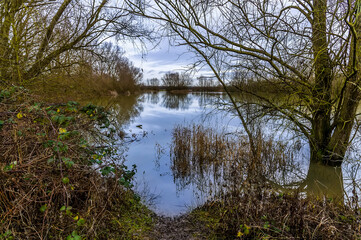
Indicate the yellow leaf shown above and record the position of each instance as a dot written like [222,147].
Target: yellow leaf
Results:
[58,110]
[62,130]
[76,218]
[19,115]
[239,234]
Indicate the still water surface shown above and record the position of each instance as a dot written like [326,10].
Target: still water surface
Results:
[161,112]
[151,118]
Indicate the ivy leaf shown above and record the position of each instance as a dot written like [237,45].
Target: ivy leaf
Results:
[106,170]
[80,222]
[43,208]
[65,180]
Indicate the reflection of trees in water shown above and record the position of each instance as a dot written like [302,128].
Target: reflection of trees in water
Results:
[324,181]
[206,99]
[126,108]
[218,165]
[123,109]
[182,101]
[177,101]
[152,97]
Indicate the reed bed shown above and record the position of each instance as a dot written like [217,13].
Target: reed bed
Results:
[198,151]
[253,198]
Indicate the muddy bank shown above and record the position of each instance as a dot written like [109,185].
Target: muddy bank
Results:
[181,227]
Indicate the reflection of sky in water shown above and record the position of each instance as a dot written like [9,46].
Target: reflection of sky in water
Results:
[160,112]
[154,172]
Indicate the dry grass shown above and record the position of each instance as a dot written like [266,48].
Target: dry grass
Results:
[248,198]
[55,181]
[198,151]
[262,213]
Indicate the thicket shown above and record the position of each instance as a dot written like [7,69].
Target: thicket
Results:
[60,177]
[103,71]
[263,213]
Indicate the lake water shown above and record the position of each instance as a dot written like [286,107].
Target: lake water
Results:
[158,114]
[147,122]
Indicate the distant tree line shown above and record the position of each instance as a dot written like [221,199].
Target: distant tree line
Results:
[205,81]
[176,79]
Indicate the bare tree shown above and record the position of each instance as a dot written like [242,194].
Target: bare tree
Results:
[153,82]
[170,79]
[36,35]
[175,79]
[309,49]
[204,81]
[185,79]
[110,60]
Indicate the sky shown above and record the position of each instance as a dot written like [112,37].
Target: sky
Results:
[163,58]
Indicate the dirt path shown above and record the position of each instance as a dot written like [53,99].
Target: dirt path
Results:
[179,228]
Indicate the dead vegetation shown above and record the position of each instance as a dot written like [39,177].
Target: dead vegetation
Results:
[57,181]
[252,199]
[198,151]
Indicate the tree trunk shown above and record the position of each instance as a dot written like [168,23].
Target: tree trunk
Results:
[321,109]
[8,12]
[345,120]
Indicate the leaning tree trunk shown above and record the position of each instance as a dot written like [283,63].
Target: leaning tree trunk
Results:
[344,121]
